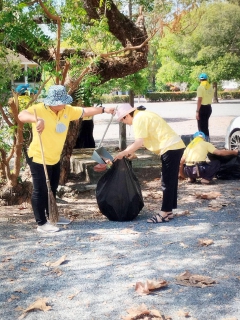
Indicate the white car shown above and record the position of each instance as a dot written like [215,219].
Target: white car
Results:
[232,138]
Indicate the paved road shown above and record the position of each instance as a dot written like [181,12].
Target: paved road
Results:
[181,117]
[104,259]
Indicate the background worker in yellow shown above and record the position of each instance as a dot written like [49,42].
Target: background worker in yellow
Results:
[193,164]
[204,108]
[53,118]
[152,132]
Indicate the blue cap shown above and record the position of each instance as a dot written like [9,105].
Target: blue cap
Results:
[22,88]
[199,134]
[203,76]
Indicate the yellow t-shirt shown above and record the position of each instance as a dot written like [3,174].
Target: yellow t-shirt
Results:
[205,91]
[198,152]
[157,135]
[52,140]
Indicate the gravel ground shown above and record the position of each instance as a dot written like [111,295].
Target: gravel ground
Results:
[103,260]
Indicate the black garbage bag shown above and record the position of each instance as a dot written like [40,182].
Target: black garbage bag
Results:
[229,168]
[118,192]
[187,138]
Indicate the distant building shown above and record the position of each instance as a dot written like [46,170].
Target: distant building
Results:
[30,74]
[230,85]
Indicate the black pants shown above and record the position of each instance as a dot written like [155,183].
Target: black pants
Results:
[204,115]
[170,168]
[40,192]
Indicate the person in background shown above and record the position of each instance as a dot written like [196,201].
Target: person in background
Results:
[152,132]
[193,164]
[204,108]
[53,118]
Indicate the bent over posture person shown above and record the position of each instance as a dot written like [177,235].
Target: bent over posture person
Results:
[53,118]
[193,163]
[152,132]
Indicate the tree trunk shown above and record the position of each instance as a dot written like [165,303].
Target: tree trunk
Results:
[16,195]
[215,90]
[122,126]
[122,136]
[67,150]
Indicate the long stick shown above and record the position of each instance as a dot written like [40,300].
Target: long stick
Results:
[100,143]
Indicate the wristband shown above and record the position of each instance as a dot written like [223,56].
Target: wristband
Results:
[103,108]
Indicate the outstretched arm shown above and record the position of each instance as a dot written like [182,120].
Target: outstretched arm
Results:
[92,111]
[130,149]
[225,152]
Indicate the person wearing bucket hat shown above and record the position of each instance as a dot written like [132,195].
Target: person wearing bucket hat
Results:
[193,164]
[53,117]
[153,132]
[204,108]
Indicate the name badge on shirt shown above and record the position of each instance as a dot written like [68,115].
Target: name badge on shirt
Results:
[60,127]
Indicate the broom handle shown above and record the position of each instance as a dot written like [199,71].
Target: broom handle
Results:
[43,159]
[107,128]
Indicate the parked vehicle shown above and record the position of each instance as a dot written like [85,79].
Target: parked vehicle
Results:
[232,138]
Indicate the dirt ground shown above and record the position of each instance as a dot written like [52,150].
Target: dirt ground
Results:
[78,201]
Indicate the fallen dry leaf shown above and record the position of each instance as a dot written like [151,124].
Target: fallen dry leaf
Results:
[208,196]
[182,213]
[24,269]
[57,271]
[194,280]
[20,290]
[73,295]
[205,242]
[142,313]
[182,313]
[12,298]
[145,288]
[39,304]
[6,259]
[57,263]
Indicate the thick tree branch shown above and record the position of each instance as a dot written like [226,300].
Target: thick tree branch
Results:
[5,118]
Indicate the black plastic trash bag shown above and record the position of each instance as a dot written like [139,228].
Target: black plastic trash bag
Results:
[187,139]
[118,192]
[229,168]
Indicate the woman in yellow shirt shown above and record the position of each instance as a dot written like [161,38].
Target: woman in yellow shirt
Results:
[53,118]
[152,132]
[204,108]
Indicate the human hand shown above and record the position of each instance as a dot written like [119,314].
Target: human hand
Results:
[119,156]
[40,125]
[110,110]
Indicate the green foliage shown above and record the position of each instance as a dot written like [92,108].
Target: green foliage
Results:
[229,94]
[212,47]
[170,96]
[114,98]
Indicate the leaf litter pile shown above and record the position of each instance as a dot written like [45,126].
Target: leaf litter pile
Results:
[215,201]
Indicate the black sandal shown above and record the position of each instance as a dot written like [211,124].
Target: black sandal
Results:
[155,219]
[170,215]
